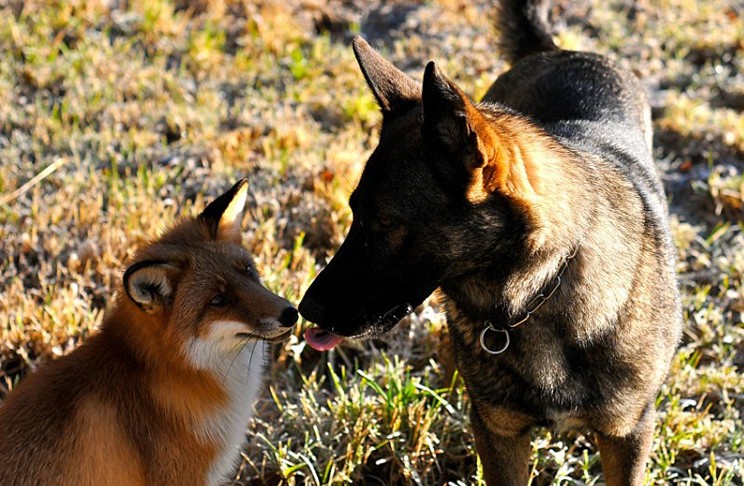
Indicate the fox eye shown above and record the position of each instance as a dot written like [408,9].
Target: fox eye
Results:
[219,300]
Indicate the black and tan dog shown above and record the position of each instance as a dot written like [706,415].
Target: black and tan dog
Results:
[539,214]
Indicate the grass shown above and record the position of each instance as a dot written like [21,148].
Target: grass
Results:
[146,112]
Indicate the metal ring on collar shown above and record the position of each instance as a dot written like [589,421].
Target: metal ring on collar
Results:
[489,327]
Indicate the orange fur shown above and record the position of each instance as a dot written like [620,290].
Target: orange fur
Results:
[154,397]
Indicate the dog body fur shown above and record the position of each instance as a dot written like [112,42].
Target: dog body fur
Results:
[488,202]
[162,394]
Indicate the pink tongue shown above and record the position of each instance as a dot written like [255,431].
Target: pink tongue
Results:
[322,340]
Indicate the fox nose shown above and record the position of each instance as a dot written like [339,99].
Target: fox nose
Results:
[288,317]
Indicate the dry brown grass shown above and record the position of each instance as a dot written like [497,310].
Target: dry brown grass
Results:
[146,112]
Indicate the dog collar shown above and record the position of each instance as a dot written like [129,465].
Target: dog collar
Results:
[532,307]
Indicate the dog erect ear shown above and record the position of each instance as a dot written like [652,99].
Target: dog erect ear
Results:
[453,122]
[393,88]
[224,215]
[150,284]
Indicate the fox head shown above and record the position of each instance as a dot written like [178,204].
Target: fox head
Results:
[196,289]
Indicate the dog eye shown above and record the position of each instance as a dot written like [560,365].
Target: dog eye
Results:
[219,300]
[385,223]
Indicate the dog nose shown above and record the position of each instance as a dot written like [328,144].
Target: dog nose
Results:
[288,317]
[312,310]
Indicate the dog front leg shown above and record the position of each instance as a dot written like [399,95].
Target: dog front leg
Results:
[505,458]
[624,458]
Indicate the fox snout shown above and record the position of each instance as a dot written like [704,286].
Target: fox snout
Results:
[288,317]
[272,310]
[278,326]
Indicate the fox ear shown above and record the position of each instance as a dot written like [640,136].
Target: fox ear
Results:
[393,89]
[224,215]
[149,284]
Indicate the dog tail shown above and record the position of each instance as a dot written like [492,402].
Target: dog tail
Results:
[523,28]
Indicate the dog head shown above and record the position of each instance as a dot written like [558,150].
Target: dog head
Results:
[431,201]
[197,288]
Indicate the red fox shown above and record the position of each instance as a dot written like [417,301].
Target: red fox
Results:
[162,394]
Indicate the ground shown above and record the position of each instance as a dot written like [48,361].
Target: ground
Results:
[116,116]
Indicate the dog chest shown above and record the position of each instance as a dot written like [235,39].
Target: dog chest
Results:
[539,373]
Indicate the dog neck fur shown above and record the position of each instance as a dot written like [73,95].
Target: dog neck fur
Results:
[503,153]
[521,164]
